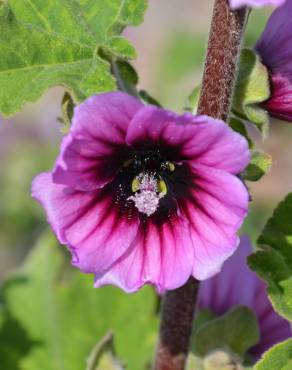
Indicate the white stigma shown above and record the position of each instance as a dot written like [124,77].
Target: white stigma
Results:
[147,196]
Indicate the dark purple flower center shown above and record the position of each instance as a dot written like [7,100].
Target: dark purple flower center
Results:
[151,184]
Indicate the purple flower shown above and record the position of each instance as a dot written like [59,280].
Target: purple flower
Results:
[142,195]
[237,285]
[275,50]
[235,4]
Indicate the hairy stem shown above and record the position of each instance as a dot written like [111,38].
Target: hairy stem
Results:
[225,41]
[223,53]
[176,325]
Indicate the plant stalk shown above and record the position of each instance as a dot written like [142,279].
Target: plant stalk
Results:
[226,35]
[219,79]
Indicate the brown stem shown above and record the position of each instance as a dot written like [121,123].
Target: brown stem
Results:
[224,47]
[217,89]
[176,325]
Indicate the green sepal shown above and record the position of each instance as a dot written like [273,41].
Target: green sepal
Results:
[273,261]
[238,126]
[126,76]
[148,99]
[202,317]
[67,107]
[259,165]
[252,89]
[193,100]
[127,80]
[236,331]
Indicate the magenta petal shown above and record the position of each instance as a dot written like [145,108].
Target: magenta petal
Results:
[88,222]
[161,255]
[95,148]
[197,139]
[275,50]
[235,4]
[280,103]
[237,285]
[215,209]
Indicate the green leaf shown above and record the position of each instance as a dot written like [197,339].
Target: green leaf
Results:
[47,43]
[14,341]
[259,165]
[236,331]
[273,262]
[252,88]
[277,358]
[63,316]
[103,356]
[238,126]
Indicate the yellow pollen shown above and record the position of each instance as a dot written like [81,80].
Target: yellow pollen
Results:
[170,166]
[162,188]
[135,185]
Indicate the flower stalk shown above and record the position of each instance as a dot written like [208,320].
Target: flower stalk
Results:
[225,40]
[226,35]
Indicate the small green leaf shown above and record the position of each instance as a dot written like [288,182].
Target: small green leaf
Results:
[273,262]
[277,358]
[238,126]
[252,88]
[259,165]
[236,331]
[47,43]
[103,356]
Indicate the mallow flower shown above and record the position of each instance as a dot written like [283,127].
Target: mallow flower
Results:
[141,195]
[275,50]
[235,4]
[237,285]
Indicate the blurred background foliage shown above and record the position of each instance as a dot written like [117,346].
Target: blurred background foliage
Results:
[171,47]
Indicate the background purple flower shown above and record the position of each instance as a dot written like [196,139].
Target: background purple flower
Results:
[143,195]
[275,50]
[237,285]
[235,4]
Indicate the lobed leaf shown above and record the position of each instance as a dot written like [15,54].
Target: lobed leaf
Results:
[47,43]
[273,262]
[277,358]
